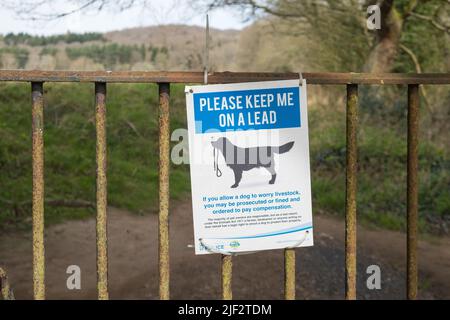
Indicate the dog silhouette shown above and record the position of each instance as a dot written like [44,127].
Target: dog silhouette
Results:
[244,159]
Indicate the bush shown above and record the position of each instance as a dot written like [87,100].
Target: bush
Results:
[48,51]
[109,55]
[12,39]
[20,54]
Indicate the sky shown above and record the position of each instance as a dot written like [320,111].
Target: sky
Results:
[159,12]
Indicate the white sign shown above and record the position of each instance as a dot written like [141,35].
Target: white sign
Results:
[249,159]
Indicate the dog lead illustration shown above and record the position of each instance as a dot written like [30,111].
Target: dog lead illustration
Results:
[244,159]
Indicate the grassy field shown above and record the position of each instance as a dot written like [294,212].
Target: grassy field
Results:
[132,128]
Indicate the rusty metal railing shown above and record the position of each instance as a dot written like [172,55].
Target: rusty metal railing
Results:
[101,78]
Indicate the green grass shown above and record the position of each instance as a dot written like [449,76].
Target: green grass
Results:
[132,132]
[132,138]
[381,180]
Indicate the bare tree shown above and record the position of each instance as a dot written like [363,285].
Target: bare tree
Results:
[340,25]
[52,9]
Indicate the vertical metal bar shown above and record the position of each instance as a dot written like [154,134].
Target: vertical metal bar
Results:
[412,189]
[163,225]
[289,274]
[5,289]
[227,274]
[37,95]
[350,203]
[101,225]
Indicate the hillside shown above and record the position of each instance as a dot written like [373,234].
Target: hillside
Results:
[171,47]
[185,45]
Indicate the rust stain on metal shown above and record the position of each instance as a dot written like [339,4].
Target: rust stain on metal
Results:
[38,190]
[289,274]
[5,288]
[412,190]
[164,164]
[350,203]
[101,223]
[221,77]
[227,275]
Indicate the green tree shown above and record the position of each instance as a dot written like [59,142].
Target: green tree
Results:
[341,26]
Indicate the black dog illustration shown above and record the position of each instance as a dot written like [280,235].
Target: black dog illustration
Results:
[244,159]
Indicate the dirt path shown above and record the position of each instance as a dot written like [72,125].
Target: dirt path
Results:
[133,262]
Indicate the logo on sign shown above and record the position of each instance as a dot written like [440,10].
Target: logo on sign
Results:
[234,244]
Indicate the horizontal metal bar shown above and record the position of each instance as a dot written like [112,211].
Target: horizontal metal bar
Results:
[220,77]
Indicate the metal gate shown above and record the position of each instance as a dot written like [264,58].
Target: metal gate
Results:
[163,79]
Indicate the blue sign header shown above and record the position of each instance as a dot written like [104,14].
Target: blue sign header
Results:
[273,108]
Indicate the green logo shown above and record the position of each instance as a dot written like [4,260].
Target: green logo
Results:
[234,244]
